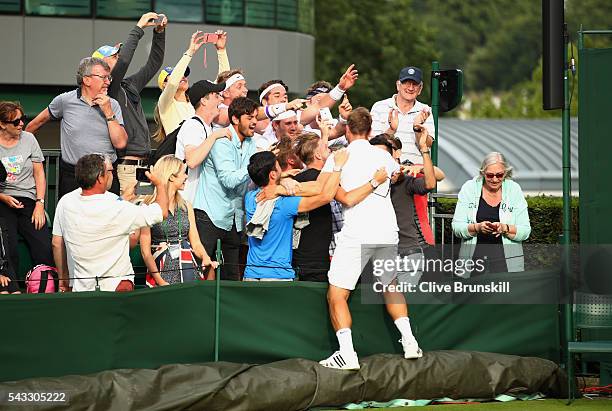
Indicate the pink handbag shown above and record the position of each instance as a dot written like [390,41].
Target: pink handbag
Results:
[42,279]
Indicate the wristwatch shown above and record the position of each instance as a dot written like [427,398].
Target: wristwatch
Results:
[41,201]
[337,168]
[425,152]
[374,183]
[112,118]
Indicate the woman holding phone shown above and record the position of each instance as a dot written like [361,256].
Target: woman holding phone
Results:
[492,219]
[169,248]
[22,195]
[173,106]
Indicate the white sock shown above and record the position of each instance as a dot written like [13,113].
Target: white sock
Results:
[403,325]
[345,339]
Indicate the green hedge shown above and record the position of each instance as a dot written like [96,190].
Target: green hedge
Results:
[545,215]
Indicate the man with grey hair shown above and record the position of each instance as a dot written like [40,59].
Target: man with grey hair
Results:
[92,226]
[91,121]
[398,114]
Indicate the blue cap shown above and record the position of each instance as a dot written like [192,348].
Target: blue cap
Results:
[106,51]
[410,73]
[163,75]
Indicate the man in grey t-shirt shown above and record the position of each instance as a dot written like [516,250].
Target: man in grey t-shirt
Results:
[92,122]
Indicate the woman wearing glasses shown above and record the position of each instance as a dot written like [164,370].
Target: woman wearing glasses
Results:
[22,196]
[491,216]
[168,248]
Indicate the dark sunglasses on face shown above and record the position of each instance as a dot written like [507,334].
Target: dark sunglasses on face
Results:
[498,175]
[16,121]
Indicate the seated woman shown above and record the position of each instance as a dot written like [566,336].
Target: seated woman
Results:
[22,196]
[168,248]
[491,217]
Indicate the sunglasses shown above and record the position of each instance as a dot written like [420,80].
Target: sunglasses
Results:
[16,121]
[498,175]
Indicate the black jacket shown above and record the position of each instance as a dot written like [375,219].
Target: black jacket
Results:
[126,90]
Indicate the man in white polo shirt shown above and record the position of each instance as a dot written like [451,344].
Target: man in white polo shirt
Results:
[397,114]
[370,232]
[92,226]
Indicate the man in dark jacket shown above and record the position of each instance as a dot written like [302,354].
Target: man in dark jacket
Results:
[126,90]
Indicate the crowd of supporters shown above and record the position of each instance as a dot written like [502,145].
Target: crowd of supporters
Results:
[262,177]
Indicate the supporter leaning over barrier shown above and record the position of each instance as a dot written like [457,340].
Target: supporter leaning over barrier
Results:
[126,90]
[270,222]
[491,217]
[163,245]
[397,114]
[92,226]
[219,200]
[173,106]
[22,195]
[91,121]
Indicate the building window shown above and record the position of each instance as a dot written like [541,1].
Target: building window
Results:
[187,11]
[230,12]
[10,6]
[58,7]
[286,14]
[260,13]
[118,9]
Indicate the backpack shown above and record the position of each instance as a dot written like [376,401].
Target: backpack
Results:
[42,279]
[168,146]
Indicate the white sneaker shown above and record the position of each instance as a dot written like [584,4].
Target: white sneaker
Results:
[411,349]
[340,362]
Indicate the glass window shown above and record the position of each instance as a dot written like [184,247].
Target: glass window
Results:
[306,16]
[225,11]
[286,14]
[10,6]
[260,13]
[58,7]
[132,9]
[188,11]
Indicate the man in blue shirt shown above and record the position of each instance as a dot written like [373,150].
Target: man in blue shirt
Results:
[269,257]
[218,204]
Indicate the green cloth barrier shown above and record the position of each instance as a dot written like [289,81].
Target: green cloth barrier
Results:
[80,333]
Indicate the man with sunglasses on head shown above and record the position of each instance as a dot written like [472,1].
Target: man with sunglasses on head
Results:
[126,90]
[91,122]
[398,114]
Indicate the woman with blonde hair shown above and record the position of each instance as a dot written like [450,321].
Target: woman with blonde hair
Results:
[168,248]
[173,105]
[492,218]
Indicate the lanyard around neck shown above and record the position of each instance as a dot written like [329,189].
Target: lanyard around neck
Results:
[165,227]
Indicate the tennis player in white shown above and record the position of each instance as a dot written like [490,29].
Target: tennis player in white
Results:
[370,232]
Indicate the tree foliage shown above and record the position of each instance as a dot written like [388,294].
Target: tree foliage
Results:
[380,37]
[497,44]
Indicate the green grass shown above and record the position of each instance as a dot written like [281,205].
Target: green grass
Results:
[535,405]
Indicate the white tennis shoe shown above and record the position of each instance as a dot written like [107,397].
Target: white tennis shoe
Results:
[411,349]
[341,362]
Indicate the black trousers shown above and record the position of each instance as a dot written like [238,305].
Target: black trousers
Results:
[68,183]
[230,244]
[19,221]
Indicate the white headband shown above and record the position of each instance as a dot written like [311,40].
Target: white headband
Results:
[268,89]
[285,115]
[233,80]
